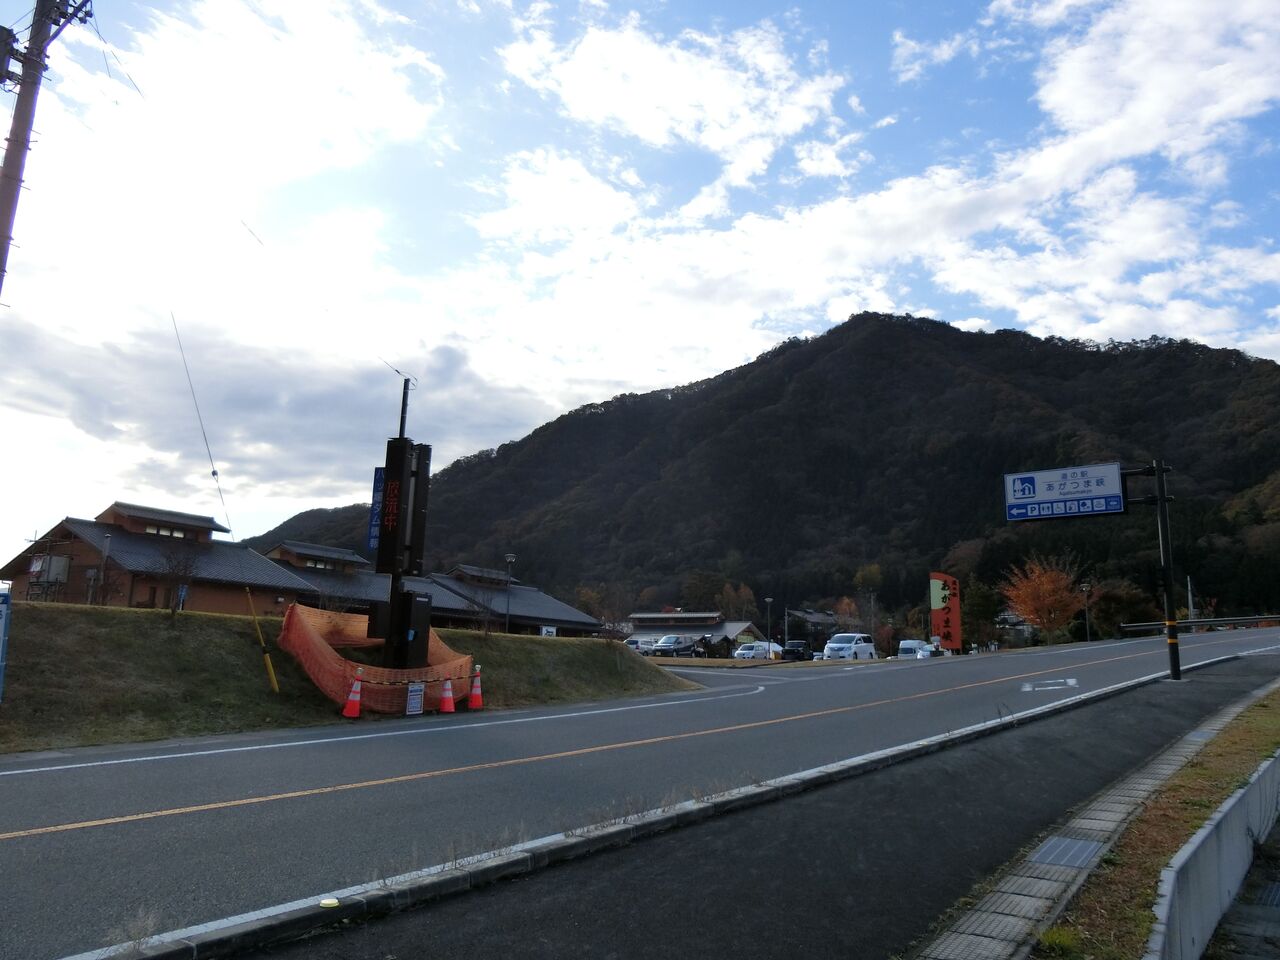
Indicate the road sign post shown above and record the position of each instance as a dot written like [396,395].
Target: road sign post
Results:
[1092,489]
[1166,567]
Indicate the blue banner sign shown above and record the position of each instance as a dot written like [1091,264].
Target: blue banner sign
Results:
[1082,491]
[375,508]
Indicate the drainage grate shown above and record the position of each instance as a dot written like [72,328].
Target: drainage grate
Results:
[1065,852]
[1269,896]
[1201,735]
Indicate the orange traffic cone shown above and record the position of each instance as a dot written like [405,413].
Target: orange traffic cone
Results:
[446,697]
[351,710]
[476,700]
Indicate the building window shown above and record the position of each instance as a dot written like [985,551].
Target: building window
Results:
[166,532]
[322,565]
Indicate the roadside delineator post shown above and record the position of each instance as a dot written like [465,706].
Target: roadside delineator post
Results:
[351,710]
[446,697]
[476,700]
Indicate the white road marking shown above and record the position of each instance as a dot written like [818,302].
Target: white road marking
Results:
[440,728]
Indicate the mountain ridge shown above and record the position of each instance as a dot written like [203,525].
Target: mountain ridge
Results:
[883,440]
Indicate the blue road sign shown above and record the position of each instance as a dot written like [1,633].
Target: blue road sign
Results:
[1082,491]
[375,508]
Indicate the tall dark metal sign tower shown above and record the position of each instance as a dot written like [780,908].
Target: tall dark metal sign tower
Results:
[400,513]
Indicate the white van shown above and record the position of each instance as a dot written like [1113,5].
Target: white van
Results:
[849,646]
[911,649]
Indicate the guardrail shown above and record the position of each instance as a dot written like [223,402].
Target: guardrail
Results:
[1205,876]
[1192,624]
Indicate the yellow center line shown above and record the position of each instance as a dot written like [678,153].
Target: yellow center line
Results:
[560,755]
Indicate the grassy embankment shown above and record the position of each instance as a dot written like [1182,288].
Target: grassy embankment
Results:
[1110,918]
[82,675]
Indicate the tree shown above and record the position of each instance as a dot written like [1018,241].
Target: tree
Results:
[979,605]
[1043,591]
[178,565]
[846,612]
[700,590]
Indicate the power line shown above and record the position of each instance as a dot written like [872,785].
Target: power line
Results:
[200,419]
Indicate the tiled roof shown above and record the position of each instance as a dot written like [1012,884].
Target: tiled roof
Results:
[481,573]
[528,604]
[366,586]
[319,551]
[704,616]
[216,560]
[167,516]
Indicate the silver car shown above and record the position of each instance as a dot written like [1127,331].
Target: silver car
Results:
[850,646]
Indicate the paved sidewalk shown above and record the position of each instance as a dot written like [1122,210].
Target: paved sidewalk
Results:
[1031,894]
[1251,928]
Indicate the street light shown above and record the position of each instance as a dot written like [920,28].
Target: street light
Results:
[768,628]
[1085,588]
[511,558]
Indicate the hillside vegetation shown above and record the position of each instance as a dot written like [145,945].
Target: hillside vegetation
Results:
[883,441]
[82,675]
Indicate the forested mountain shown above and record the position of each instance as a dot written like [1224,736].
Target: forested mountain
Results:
[882,441]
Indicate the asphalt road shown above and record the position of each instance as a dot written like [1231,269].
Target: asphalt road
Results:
[860,868]
[99,844]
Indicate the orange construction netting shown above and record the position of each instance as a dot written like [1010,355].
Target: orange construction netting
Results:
[310,636]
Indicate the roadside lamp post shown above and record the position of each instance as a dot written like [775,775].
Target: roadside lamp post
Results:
[1085,588]
[768,628]
[102,574]
[511,559]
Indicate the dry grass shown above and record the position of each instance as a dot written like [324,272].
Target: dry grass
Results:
[1110,918]
[524,670]
[81,675]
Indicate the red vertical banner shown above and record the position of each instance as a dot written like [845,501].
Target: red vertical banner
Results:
[944,610]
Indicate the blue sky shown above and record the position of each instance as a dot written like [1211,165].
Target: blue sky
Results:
[533,206]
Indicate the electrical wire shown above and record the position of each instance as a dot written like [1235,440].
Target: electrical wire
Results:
[93,19]
[200,419]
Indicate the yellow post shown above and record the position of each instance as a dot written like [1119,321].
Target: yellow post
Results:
[266,655]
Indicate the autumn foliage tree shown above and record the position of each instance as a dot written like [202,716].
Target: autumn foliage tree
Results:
[1043,592]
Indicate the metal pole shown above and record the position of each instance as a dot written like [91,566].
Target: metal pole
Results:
[24,114]
[1166,568]
[1086,587]
[102,576]
[511,558]
[768,629]
[404,406]
[1191,603]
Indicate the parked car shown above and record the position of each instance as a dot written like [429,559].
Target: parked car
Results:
[674,645]
[746,652]
[641,645]
[758,650]
[911,649]
[850,646]
[795,650]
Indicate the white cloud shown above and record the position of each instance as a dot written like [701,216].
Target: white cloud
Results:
[737,96]
[816,158]
[553,198]
[911,58]
[1041,13]
[883,122]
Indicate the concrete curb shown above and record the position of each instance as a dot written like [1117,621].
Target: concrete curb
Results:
[232,935]
[1031,895]
[1207,874]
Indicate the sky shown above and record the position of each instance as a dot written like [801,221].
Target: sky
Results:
[527,207]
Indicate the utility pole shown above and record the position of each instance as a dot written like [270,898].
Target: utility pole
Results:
[1161,500]
[49,20]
